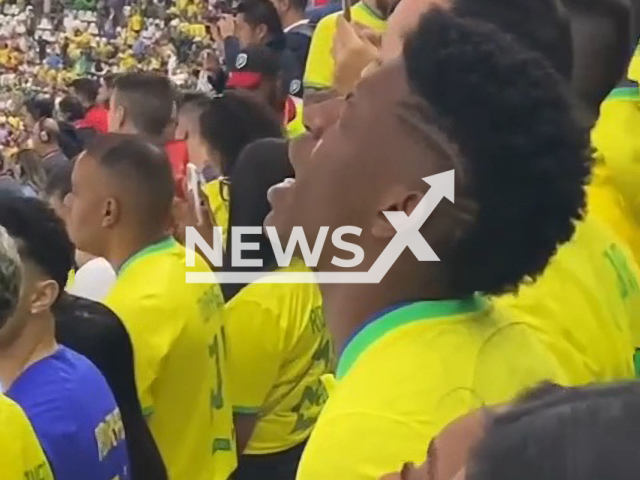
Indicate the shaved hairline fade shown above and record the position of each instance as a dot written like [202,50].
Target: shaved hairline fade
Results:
[139,168]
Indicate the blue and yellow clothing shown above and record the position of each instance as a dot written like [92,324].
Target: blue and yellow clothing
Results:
[75,417]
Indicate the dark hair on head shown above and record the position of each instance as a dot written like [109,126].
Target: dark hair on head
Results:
[39,107]
[10,276]
[540,25]
[231,122]
[602,45]
[59,180]
[41,235]
[584,433]
[261,165]
[145,166]
[109,79]
[299,5]
[86,89]
[191,98]
[71,108]
[525,156]
[148,99]
[263,12]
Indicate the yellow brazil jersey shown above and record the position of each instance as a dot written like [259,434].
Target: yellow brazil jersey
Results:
[279,349]
[295,126]
[586,305]
[320,69]
[178,341]
[217,192]
[616,138]
[22,457]
[411,371]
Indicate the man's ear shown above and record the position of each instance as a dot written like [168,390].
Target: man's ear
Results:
[44,296]
[121,116]
[399,201]
[261,30]
[111,212]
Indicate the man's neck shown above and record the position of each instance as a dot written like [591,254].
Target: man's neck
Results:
[48,150]
[130,129]
[127,246]
[349,307]
[36,342]
[291,18]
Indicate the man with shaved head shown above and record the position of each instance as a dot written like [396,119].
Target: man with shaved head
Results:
[122,192]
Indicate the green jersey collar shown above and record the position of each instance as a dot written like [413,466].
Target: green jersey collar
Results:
[398,317]
[370,11]
[160,246]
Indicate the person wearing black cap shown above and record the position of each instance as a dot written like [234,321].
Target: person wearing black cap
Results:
[259,69]
[258,24]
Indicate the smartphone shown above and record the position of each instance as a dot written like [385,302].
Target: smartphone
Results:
[194,185]
[346,10]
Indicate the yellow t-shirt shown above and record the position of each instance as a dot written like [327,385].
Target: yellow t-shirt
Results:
[177,334]
[586,305]
[279,348]
[217,192]
[411,371]
[320,67]
[296,127]
[617,139]
[22,456]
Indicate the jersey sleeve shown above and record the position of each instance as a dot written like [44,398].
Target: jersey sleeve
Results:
[254,343]
[320,68]
[360,446]
[22,456]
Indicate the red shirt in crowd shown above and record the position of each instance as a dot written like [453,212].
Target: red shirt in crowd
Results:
[178,157]
[97,118]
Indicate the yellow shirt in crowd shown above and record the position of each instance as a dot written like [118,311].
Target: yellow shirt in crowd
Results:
[616,136]
[411,371]
[22,457]
[178,341]
[279,348]
[320,66]
[585,305]
[217,193]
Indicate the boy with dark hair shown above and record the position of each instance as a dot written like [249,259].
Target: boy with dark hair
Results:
[66,398]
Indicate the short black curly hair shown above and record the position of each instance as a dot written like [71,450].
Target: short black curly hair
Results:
[540,25]
[41,236]
[526,156]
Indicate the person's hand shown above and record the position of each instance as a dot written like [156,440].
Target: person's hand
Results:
[185,214]
[355,47]
[227,26]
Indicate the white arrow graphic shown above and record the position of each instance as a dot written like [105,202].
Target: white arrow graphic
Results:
[408,235]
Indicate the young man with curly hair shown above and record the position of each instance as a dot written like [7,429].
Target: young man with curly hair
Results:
[424,346]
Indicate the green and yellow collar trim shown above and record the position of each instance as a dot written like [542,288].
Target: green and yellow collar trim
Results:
[398,317]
